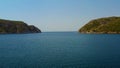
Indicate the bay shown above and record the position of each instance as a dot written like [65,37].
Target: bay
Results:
[60,50]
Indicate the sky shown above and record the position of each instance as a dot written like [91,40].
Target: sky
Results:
[58,15]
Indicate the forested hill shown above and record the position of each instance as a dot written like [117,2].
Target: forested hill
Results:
[16,27]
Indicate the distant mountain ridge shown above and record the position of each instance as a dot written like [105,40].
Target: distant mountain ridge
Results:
[102,25]
[16,27]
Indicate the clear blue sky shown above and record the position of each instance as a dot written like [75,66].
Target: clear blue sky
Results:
[58,15]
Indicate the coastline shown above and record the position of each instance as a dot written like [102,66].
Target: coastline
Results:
[100,32]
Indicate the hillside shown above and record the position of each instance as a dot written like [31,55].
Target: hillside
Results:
[102,25]
[16,27]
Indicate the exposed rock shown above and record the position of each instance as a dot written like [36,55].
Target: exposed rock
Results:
[34,29]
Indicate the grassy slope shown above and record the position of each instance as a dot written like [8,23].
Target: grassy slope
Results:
[102,25]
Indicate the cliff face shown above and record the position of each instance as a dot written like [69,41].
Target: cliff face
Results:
[10,27]
[102,25]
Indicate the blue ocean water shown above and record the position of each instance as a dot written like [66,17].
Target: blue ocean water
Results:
[60,50]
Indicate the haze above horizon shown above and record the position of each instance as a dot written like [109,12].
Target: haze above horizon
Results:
[58,15]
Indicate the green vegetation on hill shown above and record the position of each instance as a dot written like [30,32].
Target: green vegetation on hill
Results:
[102,25]
[8,26]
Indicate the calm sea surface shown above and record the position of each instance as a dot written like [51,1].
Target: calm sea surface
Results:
[60,50]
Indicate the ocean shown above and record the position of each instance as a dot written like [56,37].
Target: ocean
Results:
[60,50]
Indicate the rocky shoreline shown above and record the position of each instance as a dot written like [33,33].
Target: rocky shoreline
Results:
[100,32]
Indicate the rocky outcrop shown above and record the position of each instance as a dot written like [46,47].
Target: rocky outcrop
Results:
[34,29]
[16,27]
[110,25]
